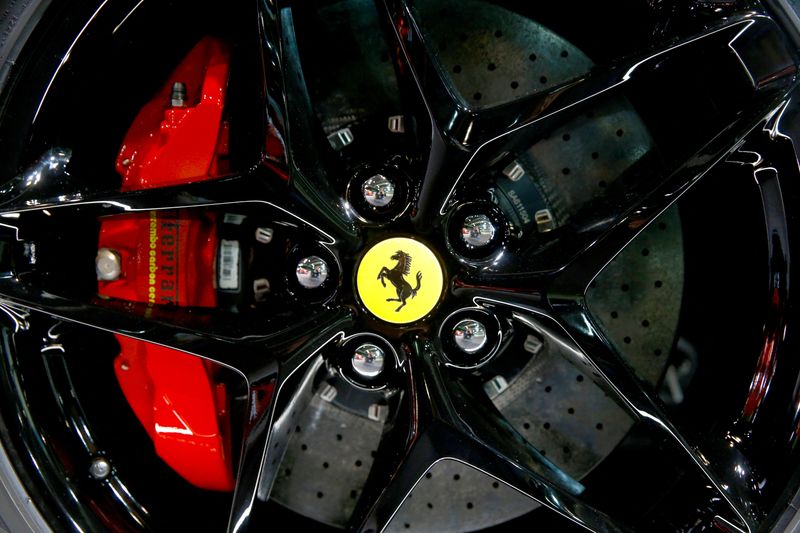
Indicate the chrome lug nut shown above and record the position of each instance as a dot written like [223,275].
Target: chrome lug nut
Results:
[100,468]
[477,230]
[469,335]
[378,191]
[108,264]
[368,360]
[312,272]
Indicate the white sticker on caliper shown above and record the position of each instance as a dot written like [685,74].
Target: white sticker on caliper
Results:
[228,275]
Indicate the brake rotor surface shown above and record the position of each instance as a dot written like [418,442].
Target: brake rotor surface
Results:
[494,55]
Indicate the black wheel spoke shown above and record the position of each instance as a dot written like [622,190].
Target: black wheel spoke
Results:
[418,68]
[451,422]
[479,436]
[253,189]
[185,330]
[576,337]
[637,74]
[291,119]
[464,141]
[228,190]
[429,91]
[570,265]
[405,454]
[275,399]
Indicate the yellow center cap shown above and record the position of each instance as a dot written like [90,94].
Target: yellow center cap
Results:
[399,280]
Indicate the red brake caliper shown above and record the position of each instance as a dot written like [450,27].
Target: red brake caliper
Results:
[168,257]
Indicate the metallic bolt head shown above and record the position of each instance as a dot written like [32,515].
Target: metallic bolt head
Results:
[100,468]
[261,288]
[378,191]
[312,272]
[264,235]
[469,335]
[477,230]
[368,360]
[178,95]
[108,264]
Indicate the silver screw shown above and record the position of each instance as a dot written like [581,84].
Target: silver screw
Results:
[378,191]
[397,124]
[178,96]
[514,171]
[261,288]
[377,412]
[477,230]
[264,235]
[328,393]
[533,345]
[100,468]
[469,335]
[368,360]
[340,138]
[108,264]
[312,272]
[544,220]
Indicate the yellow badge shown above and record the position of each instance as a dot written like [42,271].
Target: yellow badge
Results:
[399,280]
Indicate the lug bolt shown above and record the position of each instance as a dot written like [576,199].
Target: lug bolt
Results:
[312,272]
[477,230]
[378,191]
[108,264]
[368,360]
[100,468]
[469,335]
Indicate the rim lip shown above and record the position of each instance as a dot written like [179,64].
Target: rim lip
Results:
[790,517]
[18,510]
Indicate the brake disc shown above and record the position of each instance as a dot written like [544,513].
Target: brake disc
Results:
[493,56]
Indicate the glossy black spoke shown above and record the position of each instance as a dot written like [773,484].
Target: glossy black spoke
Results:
[256,189]
[465,141]
[588,243]
[417,66]
[571,332]
[429,98]
[405,454]
[445,420]
[730,43]
[482,438]
[38,189]
[531,292]
[291,122]
[415,439]
[444,162]
[194,331]
[275,401]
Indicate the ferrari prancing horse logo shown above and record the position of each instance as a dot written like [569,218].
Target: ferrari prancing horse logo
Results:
[398,294]
[396,277]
